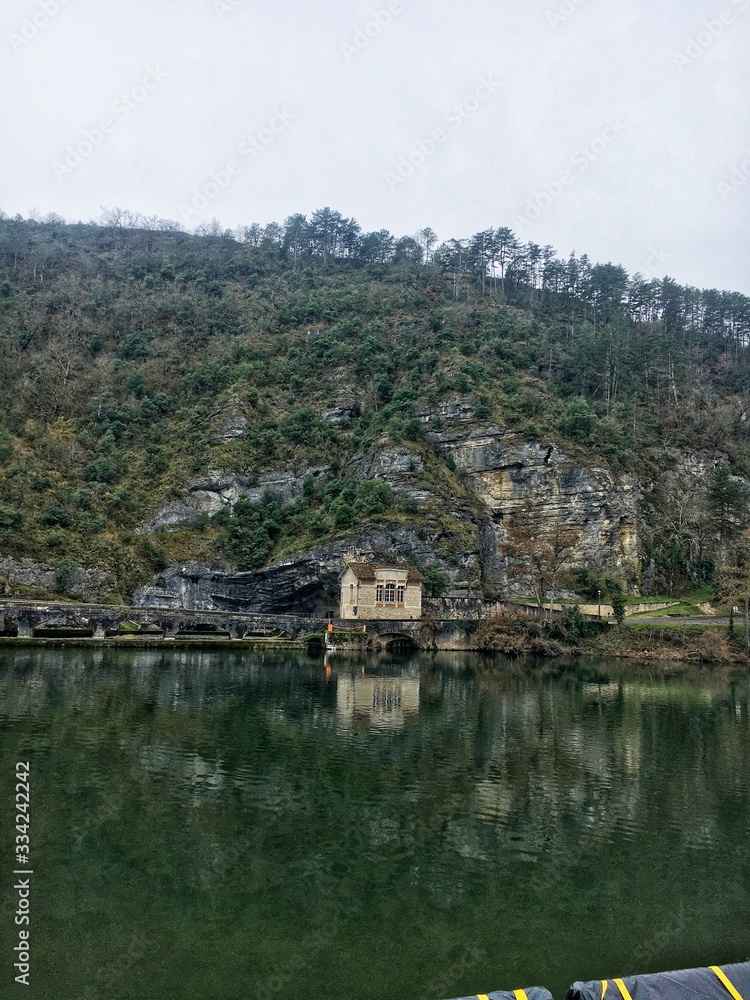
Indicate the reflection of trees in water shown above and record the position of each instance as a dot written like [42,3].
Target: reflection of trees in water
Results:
[515,759]
[502,806]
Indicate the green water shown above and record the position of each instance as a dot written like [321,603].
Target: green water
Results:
[218,825]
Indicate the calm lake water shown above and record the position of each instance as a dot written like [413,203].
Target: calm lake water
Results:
[217,825]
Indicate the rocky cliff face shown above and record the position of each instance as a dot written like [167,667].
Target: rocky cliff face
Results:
[504,472]
[220,490]
[82,582]
[458,523]
[304,584]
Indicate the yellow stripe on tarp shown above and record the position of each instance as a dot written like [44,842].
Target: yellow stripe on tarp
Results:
[725,980]
[520,994]
[604,988]
[624,990]
[482,996]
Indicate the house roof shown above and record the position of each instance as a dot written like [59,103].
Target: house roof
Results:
[366,570]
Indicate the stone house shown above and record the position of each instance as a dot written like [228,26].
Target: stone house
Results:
[380,591]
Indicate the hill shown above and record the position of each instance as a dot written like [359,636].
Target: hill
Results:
[177,409]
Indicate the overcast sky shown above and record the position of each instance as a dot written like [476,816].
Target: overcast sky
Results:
[620,130]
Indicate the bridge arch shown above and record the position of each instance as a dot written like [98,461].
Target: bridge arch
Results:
[62,627]
[393,640]
[202,630]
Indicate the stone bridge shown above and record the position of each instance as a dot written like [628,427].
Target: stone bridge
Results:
[445,626]
[35,618]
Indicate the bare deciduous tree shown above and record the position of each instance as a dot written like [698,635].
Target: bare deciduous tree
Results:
[537,550]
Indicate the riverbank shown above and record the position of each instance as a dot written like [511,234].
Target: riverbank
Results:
[572,635]
[668,641]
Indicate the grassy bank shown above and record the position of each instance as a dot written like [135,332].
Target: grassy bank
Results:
[668,641]
[571,634]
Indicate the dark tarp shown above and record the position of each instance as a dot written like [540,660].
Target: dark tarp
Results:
[533,993]
[690,984]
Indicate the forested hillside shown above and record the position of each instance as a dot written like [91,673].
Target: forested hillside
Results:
[137,359]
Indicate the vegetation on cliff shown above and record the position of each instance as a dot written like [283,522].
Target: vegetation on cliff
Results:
[137,357]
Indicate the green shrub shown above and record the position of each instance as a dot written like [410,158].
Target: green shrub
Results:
[407,504]
[251,531]
[101,470]
[136,346]
[371,498]
[64,575]
[413,429]
[436,582]
[154,463]
[575,419]
[617,599]
[10,521]
[54,517]
[57,538]
[136,384]
[343,513]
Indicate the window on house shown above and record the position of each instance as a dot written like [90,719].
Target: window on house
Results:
[351,593]
[400,592]
[379,593]
[390,593]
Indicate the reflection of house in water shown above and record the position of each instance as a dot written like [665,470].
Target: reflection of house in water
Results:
[384,702]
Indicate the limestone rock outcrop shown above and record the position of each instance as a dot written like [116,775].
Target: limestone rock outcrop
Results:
[504,471]
[84,582]
[302,584]
[456,524]
[220,490]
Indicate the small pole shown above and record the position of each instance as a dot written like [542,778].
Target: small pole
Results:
[600,602]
